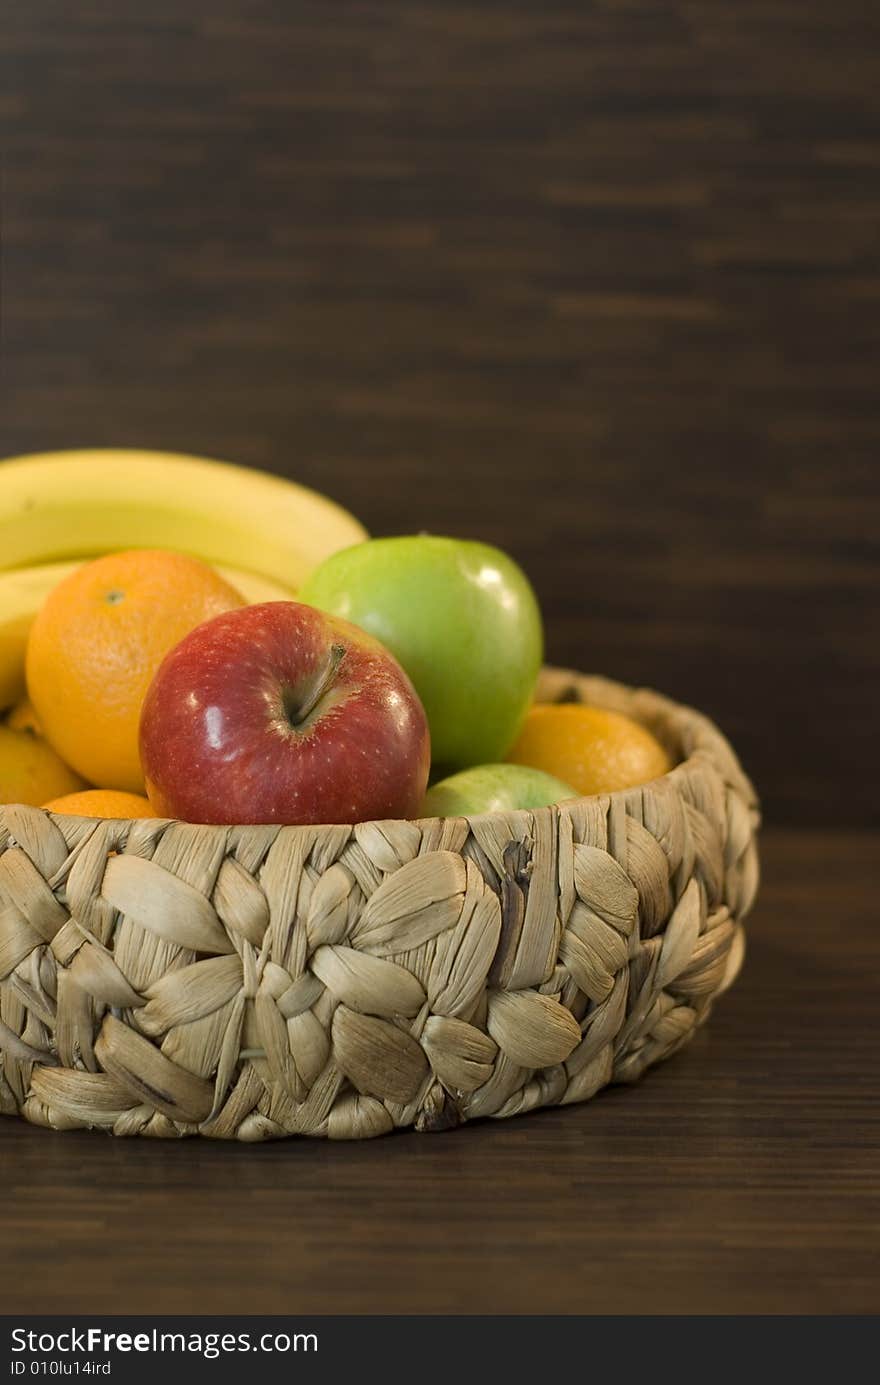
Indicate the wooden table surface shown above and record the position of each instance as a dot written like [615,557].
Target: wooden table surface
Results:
[741,1176]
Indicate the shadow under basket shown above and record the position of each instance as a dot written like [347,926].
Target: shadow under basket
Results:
[249,983]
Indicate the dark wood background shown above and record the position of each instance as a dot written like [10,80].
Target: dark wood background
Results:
[599,282]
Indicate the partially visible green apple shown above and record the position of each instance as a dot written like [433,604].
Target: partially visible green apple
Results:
[462,619]
[493,789]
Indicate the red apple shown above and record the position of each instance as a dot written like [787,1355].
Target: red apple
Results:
[279,713]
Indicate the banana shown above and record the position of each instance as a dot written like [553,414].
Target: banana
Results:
[78,504]
[23,591]
[253,587]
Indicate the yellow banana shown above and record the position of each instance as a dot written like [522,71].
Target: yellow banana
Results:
[23,591]
[78,504]
[253,587]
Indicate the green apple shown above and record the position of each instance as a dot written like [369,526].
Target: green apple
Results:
[493,789]
[462,619]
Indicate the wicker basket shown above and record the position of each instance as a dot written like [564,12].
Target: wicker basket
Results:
[247,982]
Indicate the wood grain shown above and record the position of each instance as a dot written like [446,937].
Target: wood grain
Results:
[595,281]
[739,1177]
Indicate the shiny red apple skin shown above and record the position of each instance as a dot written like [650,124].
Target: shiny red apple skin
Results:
[216,739]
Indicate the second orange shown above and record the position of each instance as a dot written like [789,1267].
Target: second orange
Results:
[594,750]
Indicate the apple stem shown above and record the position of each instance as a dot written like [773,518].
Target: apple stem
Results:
[337,654]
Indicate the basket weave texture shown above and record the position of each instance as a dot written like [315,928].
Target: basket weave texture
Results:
[163,979]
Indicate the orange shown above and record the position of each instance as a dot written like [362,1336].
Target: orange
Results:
[593,750]
[96,643]
[102,803]
[30,770]
[22,717]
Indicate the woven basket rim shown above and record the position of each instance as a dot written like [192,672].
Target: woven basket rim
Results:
[680,723]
